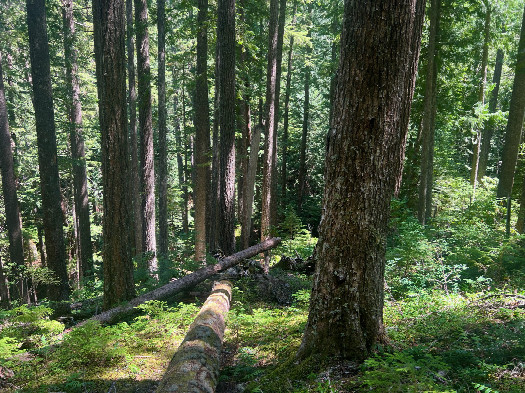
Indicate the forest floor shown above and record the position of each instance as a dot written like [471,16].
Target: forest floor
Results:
[439,342]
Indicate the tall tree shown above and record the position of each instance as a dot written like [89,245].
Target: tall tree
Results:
[163,153]
[80,189]
[12,208]
[214,195]
[226,69]
[47,148]
[365,148]
[509,156]
[134,149]
[180,165]
[202,132]
[110,56]
[429,116]
[146,136]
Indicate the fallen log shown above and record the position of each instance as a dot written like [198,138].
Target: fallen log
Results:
[185,282]
[196,364]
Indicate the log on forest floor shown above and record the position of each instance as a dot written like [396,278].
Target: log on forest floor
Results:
[196,364]
[184,283]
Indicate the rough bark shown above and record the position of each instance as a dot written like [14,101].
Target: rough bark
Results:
[134,148]
[185,282]
[12,208]
[214,195]
[110,56]
[249,187]
[375,83]
[429,115]
[226,47]
[202,132]
[163,152]
[196,365]
[47,148]
[488,129]
[76,138]
[147,156]
[515,122]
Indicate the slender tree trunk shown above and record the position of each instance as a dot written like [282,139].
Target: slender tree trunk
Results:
[180,167]
[429,115]
[146,136]
[488,129]
[163,154]
[110,56]
[474,173]
[187,152]
[226,47]
[47,148]
[80,189]
[363,167]
[4,288]
[12,208]
[515,122]
[214,195]
[132,104]
[202,132]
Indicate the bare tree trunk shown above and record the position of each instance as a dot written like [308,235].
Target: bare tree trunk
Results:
[4,288]
[47,148]
[180,167]
[214,194]
[80,188]
[146,137]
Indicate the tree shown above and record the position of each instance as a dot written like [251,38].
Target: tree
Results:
[47,148]
[365,147]
[509,155]
[146,136]
[12,208]
[80,189]
[109,29]
[429,118]
[226,69]
[202,132]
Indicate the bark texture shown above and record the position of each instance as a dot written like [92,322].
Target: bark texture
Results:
[146,137]
[76,138]
[196,365]
[47,148]
[515,122]
[375,83]
[110,55]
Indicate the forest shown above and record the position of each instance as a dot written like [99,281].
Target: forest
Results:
[262,196]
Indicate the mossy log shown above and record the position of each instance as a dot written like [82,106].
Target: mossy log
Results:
[195,366]
[185,282]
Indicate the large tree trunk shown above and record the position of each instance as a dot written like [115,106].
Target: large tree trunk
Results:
[132,103]
[12,208]
[147,157]
[109,26]
[363,168]
[80,189]
[196,365]
[47,148]
[163,152]
[515,122]
[202,132]
[488,129]
[226,47]
[429,115]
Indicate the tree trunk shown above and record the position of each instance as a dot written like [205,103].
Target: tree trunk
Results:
[163,153]
[180,166]
[214,195]
[196,365]
[488,129]
[146,137]
[515,122]
[226,47]
[202,132]
[429,116]
[132,104]
[474,173]
[110,55]
[249,187]
[12,208]
[363,167]
[80,189]
[47,148]
[4,287]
